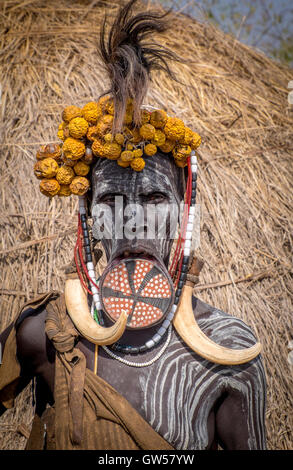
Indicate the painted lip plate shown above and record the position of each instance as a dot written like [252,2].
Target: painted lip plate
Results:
[127,283]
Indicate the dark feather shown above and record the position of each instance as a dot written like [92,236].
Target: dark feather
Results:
[129,60]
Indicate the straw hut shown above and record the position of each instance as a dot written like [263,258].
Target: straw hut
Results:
[234,97]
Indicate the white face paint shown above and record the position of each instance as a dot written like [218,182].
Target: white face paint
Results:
[144,206]
[140,221]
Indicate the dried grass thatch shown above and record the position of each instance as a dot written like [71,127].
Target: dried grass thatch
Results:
[235,97]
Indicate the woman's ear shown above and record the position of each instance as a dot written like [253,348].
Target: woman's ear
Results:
[185,176]
[182,182]
[89,201]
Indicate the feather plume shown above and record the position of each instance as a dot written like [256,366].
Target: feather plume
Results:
[129,60]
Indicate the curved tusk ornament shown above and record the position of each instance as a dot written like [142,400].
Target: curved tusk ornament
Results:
[187,327]
[78,310]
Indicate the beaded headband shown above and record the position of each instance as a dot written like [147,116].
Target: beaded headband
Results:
[86,134]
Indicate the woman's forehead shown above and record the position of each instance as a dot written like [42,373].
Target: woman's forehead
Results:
[159,173]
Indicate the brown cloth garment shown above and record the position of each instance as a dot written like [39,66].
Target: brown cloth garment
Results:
[10,367]
[88,413]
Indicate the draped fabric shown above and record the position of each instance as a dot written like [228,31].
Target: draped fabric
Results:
[88,413]
[10,367]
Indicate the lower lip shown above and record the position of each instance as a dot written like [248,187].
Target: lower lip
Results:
[131,255]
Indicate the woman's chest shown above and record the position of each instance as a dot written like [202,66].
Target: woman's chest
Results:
[168,394]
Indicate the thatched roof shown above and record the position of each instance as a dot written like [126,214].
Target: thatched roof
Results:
[235,98]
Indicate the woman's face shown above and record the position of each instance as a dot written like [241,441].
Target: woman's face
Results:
[136,213]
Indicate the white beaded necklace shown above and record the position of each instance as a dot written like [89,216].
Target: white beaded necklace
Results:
[141,364]
[137,364]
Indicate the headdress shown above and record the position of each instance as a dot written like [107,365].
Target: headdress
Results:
[87,134]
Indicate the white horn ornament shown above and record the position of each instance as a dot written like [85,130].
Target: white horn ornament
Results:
[78,310]
[187,327]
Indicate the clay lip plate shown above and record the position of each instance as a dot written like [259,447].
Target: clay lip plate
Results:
[140,287]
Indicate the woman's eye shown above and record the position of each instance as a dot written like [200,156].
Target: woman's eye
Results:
[155,197]
[108,199]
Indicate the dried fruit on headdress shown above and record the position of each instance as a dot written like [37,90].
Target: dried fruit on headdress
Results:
[137,164]
[53,151]
[137,153]
[119,138]
[158,118]
[98,148]
[128,134]
[108,137]
[123,163]
[79,185]
[112,150]
[103,102]
[64,190]
[104,124]
[49,150]
[46,168]
[68,161]
[181,163]
[168,146]
[73,148]
[135,136]
[38,170]
[78,127]
[174,129]
[92,111]
[93,133]
[159,138]
[126,156]
[41,153]
[65,175]
[145,116]
[196,141]
[88,132]
[49,187]
[81,168]
[147,131]
[150,150]
[109,106]
[71,112]
[188,136]
[60,133]
[63,131]
[181,152]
